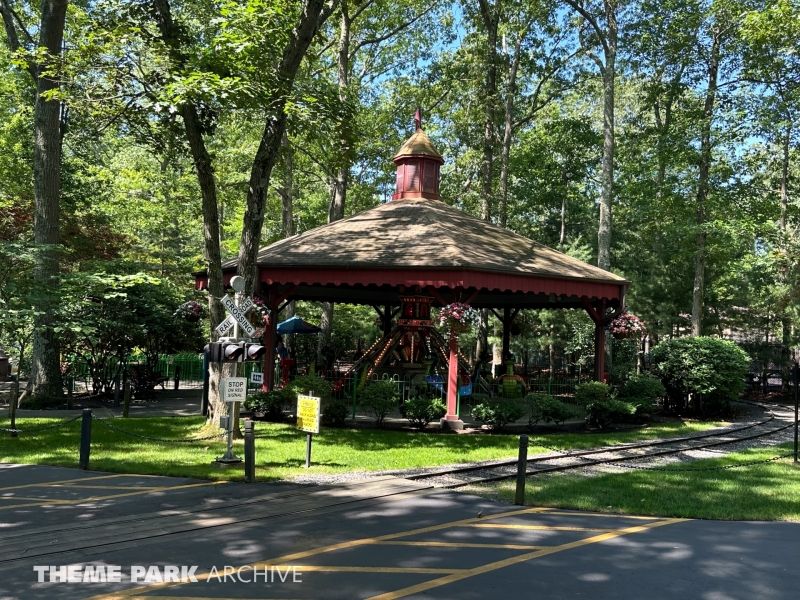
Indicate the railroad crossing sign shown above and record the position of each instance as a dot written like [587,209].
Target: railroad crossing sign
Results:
[237,314]
[226,324]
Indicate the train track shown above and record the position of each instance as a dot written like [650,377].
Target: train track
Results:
[565,461]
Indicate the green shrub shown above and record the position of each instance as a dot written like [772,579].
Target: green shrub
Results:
[709,366]
[642,406]
[335,414]
[272,404]
[602,413]
[544,407]
[589,393]
[498,413]
[308,383]
[379,398]
[643,386]
[422,411]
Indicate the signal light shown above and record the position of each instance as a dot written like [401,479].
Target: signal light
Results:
[231,352]
[254,351]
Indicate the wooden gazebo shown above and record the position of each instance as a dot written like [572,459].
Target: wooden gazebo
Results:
[417,244]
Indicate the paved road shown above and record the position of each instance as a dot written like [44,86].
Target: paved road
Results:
[385,539]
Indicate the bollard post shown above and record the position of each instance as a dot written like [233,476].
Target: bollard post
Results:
[116,390]
[249,452]
[126,398]
[522,470]
[86,438]
[12,405]
[177,376]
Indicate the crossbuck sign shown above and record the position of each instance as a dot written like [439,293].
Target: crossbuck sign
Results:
[237,313]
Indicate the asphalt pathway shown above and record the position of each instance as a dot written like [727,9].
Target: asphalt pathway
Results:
[386,538]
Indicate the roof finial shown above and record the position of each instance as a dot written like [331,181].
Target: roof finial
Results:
[418,119]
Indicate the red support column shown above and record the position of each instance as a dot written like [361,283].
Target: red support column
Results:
[451,420]
[599,351]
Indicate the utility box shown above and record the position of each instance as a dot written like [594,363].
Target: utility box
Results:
[5,367]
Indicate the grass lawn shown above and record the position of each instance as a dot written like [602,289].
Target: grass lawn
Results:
[280,449]
[768,491]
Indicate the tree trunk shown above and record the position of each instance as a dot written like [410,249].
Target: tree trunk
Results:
[340,179]
[45,379]
[562,238]
[287,219]
[204,169]
[326,324]
[702,188]
[268,149]
[482,344]
[607,171]
[491,19]
[508,134]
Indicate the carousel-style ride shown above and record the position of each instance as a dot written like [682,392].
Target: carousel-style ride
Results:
[413,348]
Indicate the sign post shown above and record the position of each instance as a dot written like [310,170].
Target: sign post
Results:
[234,389]
[308,417]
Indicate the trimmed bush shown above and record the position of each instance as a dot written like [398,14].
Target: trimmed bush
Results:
[335,414]
[602,413]
[709,366]
[272,404]
[642,406]
[305,383]
[544,407]
[422,411]
[379,398]
[498,413]
[594,391]
[643,386]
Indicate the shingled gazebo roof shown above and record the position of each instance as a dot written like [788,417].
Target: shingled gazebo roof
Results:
[417,243]
[424,234]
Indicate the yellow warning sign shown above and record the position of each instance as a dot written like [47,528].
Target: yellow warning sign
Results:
[308,414]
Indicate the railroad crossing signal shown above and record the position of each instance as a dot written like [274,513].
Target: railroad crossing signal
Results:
[227,352]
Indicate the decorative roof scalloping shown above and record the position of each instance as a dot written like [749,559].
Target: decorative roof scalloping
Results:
[424,234]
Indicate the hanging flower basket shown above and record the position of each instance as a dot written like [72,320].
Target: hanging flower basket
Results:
[627,326]
[458,316]
[190,311]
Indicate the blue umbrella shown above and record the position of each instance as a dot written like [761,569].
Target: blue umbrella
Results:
[297,325]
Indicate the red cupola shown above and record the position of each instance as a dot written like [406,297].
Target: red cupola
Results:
[418,165]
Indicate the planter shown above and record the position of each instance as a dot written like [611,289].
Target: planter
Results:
[458,326]
[624,335]
[193,318]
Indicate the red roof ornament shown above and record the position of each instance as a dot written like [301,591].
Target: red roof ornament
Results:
[418,119]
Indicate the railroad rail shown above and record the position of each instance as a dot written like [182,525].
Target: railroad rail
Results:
[537,464]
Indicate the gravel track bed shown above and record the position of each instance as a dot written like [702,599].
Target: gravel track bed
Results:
[754,414]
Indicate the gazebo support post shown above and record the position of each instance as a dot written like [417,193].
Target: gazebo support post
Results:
[599,351]
[507,318]
[387,320]
[451,420]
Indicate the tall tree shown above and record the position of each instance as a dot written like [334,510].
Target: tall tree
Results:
[312,15]
[41,51]
[599,27]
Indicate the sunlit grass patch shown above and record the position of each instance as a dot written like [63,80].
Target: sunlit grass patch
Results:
[280,448]
[767,491]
